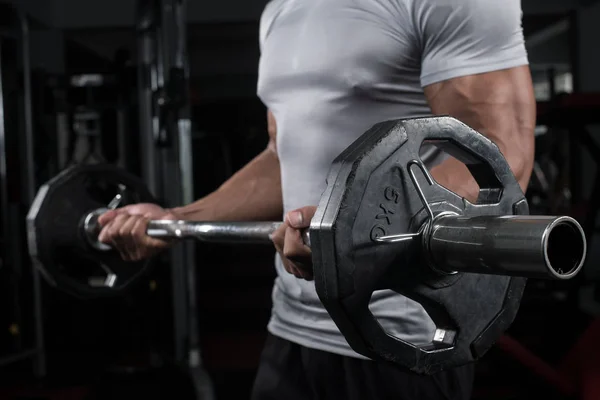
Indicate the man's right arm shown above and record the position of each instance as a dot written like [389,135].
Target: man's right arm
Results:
[251,194]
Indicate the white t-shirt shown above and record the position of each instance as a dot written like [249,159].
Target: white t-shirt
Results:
[329,70]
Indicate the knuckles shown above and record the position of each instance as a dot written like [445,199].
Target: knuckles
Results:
[126,233]
[290,252]
[288,242]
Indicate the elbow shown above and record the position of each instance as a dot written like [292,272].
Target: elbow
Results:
[272,149]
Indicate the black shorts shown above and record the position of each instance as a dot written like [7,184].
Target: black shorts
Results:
[293,372]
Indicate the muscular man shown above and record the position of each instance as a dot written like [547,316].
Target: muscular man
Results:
[329,70]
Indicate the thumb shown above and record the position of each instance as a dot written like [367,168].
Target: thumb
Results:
[300,218]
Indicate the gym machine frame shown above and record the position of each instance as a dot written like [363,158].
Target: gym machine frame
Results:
[165,128]
[18,29]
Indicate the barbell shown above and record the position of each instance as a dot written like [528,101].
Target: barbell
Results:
[382,223]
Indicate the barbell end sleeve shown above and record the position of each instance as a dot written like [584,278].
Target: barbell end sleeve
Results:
[531,246]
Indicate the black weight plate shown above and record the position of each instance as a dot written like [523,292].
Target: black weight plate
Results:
[369,194]
[323,251]
[55,236]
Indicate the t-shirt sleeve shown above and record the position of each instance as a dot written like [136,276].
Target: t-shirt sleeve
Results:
[466,37]
[266,20]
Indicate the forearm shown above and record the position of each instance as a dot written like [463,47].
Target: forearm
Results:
[251,194]
[454,175]
[516,144]
[499,105]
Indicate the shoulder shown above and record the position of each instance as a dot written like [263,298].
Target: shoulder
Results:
[268,16]
[488,17]
[465,37]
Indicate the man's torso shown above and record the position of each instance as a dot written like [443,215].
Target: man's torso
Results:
[329,70]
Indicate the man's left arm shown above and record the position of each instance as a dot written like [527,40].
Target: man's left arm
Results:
[498,104]
[474,67]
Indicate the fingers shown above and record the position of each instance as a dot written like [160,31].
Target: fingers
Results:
[301,217]
[146,209]
[297,252]
[124,240]
[107,217]
[127,235]
[124,229]
[295,255]
[105,235]
[142,242]
[115,234]
[278,238]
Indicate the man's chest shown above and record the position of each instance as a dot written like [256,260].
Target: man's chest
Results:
[336,45]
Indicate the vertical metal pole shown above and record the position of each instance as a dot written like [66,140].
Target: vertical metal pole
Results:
[551,74]
[202,381]
[179,158]
[3,176]
[157,167]
[122,142]
[184,125]
[39,364]
[172,182]
[162,42]
[146,24]
[576,165]
[9,223]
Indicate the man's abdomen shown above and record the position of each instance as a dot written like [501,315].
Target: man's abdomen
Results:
[299,316]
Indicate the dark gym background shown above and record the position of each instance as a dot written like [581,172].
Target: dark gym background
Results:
[109,348]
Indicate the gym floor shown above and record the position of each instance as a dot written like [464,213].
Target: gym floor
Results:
[85,95]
